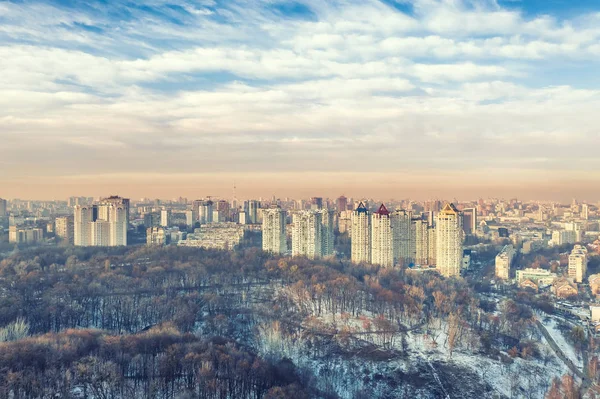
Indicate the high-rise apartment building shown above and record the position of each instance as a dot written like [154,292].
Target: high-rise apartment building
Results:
[102,224]
[273,230]
[449,239]
[316,203]
[469,220]
[578,261]
[382,243]
[327,235]
[504,262]
[205,212]
[252,214]
[585,211]
[307,234]
[361,235]
[64,228]
[156,236]
[2,207]
[561,237]
[341,204]
[165,217]
[402,239]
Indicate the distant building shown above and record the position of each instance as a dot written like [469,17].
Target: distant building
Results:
[102,224]
[469,220]
[307,231]
[205,212]
[2,208]
[585,211]
[403,244]
[165,218]
[449,250]
[224,236]
[252,214]
[382,249]
[504,262]
[539,276]
[561,237]
[25,235]
[274,230]
[529,284]
[242,217]
[361,235]
[342,204]
[156,236]
[64,228]
[564,288]
[578,260]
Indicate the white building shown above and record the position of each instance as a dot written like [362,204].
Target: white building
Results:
[449,239]
[102,224]
[25,235]
[361,235]
[382,243]
[64,228]
[504,262]
[327,234]
[273,230]
[561,237]
[156,236]
[403,243]
[165,218]
[578,261]
[2,207]
[307,233]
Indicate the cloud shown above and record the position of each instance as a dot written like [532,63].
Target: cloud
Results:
[244,85]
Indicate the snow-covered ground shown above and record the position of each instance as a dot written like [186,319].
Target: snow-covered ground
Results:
[551,325]
[427,352]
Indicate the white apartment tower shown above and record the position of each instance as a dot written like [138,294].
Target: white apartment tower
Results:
[504,262]
[63,227]
[307,234]
[103,224]
[327,234]
[382,243]
[401,231]
[273,230]
[2,207]
[361,235]
[449,239]
[578,261]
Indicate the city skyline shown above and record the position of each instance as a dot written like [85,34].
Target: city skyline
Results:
[287,96]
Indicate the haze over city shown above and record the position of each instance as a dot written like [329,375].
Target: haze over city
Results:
[420,99]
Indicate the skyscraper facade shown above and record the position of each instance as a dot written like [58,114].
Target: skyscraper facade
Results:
[382,248]
[401,230]
[449,239]
[307,234]
[102,224]
[361,235]
[64,228]
[341,204]
[2,207]
[327,234]
[578,260]
[273,230]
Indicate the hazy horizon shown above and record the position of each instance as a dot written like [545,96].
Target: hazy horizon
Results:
[380,98]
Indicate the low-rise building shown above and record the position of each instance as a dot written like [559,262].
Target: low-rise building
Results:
[540,277]
[563,288]
[25,235]
[529,284]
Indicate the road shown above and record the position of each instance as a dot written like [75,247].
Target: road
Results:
[585,381]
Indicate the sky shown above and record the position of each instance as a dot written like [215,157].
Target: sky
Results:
[388,98]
